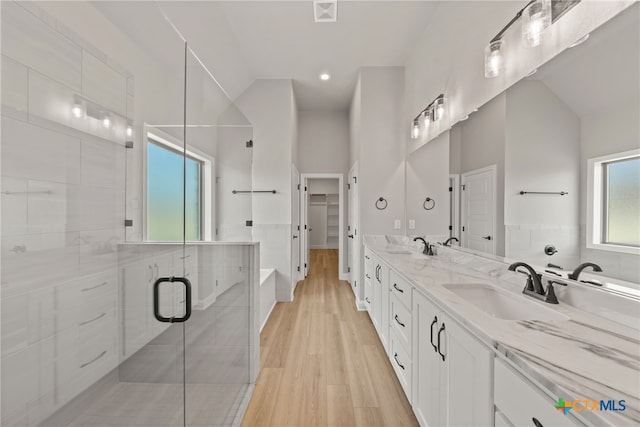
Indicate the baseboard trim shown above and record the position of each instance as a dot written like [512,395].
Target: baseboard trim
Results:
[268,315]
[361,306]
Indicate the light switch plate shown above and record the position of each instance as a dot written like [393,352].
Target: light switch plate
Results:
[412,224]
[397,224]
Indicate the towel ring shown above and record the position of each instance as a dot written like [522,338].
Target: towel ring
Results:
[429,200]
[381,204]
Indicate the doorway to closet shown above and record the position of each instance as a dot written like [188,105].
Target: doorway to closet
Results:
[322,211]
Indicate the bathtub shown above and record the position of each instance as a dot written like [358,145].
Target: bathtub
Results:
[267,294]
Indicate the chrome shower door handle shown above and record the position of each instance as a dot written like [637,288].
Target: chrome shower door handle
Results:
[156,300]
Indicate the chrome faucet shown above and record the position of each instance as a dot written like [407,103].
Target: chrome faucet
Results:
[576,273]
[448,241]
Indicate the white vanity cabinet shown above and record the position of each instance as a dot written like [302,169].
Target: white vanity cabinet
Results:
[376,295]
[452,371]
[368,280]
[400,331]
[520,403]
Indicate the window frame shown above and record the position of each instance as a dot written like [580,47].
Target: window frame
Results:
[596,203]
[153,135]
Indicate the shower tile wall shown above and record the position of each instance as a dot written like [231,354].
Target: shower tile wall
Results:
[63,207]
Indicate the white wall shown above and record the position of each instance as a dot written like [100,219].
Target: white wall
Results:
[323,186]
[324,142]
[269,105]
[428,176]
[542,153]
[377,144]
[616,131]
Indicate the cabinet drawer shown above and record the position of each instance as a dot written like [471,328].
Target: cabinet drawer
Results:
[520,401]
[400,288]
[401,321]
[401,362]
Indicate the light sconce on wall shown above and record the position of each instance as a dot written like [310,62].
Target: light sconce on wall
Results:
[107,121]
[431,113]
[129,129]
[537,16]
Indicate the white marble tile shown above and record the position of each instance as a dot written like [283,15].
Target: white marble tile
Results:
[103,84]
[101,163]
[14,206]
[42,314]
[31,42]
[18,381]
[35,153]
[15,323]
[14,88]
[47,207]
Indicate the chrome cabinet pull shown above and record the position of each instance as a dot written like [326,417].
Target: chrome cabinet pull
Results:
[93,287]
[93,360]
[399,322]
[395,356]
[92,320]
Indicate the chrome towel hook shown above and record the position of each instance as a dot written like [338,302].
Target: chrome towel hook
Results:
[431,202]
[381,204]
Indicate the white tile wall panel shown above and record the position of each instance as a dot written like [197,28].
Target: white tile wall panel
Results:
[14,88]
[57,159]
[103,84]
[38,46]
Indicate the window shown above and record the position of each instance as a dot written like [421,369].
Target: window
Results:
[165,217]
[614,200]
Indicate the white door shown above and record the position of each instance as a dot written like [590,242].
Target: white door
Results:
[295,224]
[354,236]
[479,209]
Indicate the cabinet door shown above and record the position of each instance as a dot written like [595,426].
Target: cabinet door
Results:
[468,366]
[427,387]
[384,314]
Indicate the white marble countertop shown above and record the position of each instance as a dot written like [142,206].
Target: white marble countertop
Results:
[584,357]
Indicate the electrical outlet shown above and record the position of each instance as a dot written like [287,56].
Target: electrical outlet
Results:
[412,224]
[397,224]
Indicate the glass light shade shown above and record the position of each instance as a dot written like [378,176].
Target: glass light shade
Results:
[106,120]
[426,119]
[129,131]
[415,130]
[493,59]
[535,19]
[438,110]
[78,110]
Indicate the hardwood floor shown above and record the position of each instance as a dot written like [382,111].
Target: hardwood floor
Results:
[322,362]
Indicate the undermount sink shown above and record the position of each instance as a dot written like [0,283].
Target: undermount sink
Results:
[501,304]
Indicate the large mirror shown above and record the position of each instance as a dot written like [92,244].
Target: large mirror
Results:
[556,154]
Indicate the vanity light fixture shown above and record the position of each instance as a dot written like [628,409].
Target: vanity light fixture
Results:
[106,120]
[431,113]
[325,76]
[536,17]
[129,130]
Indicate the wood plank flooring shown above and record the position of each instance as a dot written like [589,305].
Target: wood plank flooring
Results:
[322,362]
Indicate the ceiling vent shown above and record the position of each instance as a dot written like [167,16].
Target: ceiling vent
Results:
[325,10]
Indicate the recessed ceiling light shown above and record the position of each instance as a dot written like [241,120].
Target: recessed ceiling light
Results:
[325,76]
[579,41]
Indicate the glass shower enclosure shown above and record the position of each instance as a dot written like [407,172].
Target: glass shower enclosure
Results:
[128,276]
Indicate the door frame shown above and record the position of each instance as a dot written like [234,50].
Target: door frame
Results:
[454,182]
[296,228]
[304,218]
[463,220]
